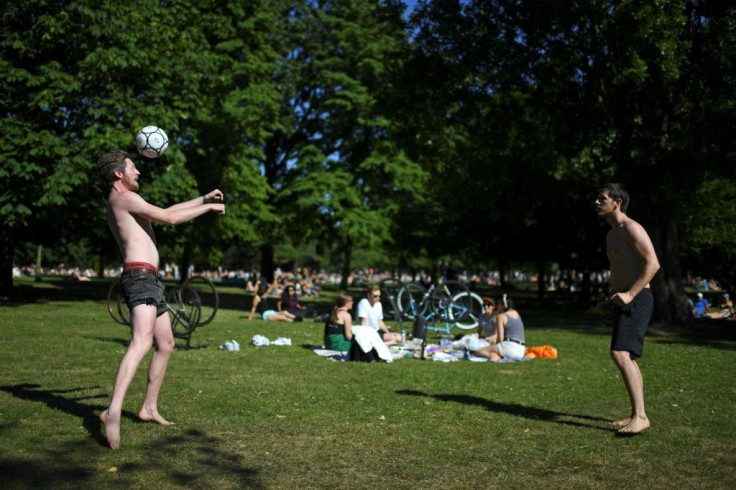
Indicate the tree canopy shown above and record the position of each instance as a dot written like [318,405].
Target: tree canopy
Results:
[472,134]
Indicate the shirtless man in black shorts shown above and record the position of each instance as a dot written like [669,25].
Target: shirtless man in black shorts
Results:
[633,265]
[129,217]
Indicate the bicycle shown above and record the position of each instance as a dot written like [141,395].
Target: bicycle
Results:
[451,303]
[185,317]
[209,299]
[390,287]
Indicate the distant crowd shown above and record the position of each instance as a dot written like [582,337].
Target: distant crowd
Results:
[308,284]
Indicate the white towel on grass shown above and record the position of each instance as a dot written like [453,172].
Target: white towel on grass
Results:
[368,339]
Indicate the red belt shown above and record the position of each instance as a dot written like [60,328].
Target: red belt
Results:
[131,268]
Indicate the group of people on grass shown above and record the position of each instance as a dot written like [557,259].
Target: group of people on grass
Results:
[303,283]
[701,307]
[287,308]
[502,330]
[339,328]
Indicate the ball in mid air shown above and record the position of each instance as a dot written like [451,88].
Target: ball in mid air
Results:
[151,141]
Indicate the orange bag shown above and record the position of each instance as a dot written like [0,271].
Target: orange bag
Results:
[541,352]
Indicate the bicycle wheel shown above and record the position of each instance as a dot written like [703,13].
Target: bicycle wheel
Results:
[116,304]
[442,297]
[465,310]
[410,300]
[208,298]
[184,310]
[390,289]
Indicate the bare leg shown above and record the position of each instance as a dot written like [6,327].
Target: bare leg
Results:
[391,338]
[491,352]
[631,373]
[157,370]
[142,320]
[281,316]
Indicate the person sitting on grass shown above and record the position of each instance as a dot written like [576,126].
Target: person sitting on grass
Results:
[339,325]
[510,330]
[370,314]
[260,304]
[289,302]
[487,321]
[726,309]
[701,307]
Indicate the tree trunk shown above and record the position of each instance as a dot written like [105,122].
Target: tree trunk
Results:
[39,257]
[585,296]
[669,294]
[347,258]
[101,269]
[7,251]
[267,262]
[502,272]
[541,279]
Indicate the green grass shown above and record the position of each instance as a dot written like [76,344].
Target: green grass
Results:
[282,417]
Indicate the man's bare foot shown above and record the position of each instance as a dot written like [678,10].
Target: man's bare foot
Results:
[621,423]
[636,426]
[147,416]
[112,429]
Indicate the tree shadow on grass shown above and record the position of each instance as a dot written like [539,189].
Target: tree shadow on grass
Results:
[198,456]
[718,334]
[189,460]
[531,413]
[72,405]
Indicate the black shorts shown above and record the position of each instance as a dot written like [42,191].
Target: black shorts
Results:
[630,324]
[144,288]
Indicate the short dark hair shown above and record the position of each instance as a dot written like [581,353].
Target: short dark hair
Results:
[108,163]
[617,191]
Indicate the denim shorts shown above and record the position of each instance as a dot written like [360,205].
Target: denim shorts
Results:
[144,288]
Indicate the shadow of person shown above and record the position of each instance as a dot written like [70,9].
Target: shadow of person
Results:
[72,405]
[531,413]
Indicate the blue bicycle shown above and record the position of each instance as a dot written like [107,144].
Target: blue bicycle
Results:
[445,306]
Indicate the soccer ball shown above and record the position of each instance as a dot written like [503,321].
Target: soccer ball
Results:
[151,141]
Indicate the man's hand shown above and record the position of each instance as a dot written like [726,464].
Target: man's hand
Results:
[219,208]
[621,299]
[214,196]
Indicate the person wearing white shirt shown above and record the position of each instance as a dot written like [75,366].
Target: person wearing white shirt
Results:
[370,314]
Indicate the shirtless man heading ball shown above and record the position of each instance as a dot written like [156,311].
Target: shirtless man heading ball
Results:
[130,217]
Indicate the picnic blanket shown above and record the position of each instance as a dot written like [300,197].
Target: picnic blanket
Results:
[332,355]
[436,355]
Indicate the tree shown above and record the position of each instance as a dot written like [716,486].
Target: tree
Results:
[330,157]
[77,81]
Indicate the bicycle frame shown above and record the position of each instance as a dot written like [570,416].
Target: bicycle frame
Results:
[449,311]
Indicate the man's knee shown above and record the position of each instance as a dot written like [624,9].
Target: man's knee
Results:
[621,357]
[165,346]
[141,343]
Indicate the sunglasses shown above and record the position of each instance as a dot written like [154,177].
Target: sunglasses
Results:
[376,296]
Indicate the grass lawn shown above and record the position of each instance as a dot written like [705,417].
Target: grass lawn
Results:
[283,417]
